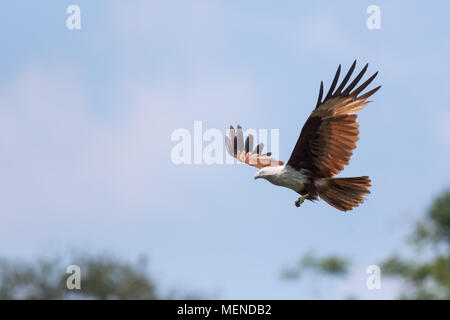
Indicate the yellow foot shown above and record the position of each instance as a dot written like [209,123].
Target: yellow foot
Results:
[300,200]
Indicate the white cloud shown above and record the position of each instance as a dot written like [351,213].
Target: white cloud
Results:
[62,153]
[58,153]
[58,157]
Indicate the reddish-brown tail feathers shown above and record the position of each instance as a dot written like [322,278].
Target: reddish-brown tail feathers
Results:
[345,193]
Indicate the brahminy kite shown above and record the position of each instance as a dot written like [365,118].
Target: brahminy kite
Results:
[324,147]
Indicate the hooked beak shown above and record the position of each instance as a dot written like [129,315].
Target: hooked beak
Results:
[257,176]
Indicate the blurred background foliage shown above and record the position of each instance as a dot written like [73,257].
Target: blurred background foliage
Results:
[102,277]
[424,275]
[330,265]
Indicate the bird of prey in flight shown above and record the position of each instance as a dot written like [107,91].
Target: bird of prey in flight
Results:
[324,147]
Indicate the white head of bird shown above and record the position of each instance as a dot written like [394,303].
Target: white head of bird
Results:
[283,176]
[270,173]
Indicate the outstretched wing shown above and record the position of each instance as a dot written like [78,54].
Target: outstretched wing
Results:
[245,152]
[329,135]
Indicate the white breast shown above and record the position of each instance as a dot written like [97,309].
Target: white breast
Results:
[286,176]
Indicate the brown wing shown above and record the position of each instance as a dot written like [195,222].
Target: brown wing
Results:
[246,153]
[329,135]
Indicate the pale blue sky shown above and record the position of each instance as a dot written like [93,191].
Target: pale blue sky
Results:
[86,118]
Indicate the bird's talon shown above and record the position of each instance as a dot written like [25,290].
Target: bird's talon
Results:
[300,200]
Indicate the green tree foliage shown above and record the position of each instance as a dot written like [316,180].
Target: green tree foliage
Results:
[319,274]
[330,265]
[102,277]
[427,276]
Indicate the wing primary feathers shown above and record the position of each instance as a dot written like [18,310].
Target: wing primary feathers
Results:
[240,139]
[232,133]
[369,93]
[364,85]
[333,84]
[355,81]
[243,151]
[249,143]
[259,148]
[233,140]
[346,78]
[228,144]
[320,94]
